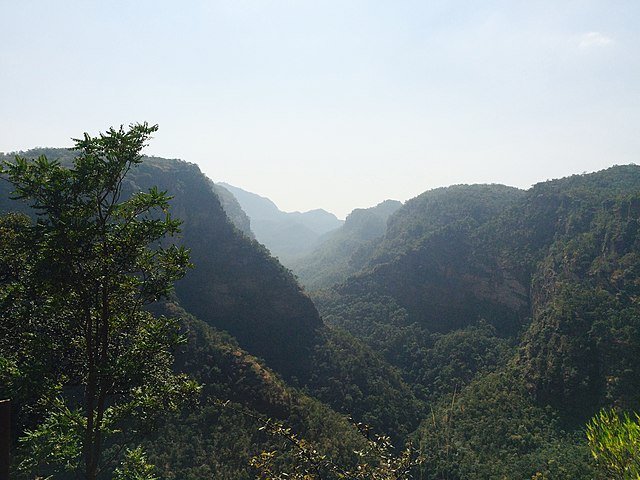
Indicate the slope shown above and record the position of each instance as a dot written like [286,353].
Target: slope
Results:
[427,265]
[287,235]
[219,435]
[233,210]
[492,300]
[238,287]
[341,252]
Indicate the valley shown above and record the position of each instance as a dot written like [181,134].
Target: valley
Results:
[482,325]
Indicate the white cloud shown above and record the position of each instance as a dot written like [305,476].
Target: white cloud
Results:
[594,39]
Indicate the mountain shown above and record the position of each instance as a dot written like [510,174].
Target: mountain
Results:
[427,263]
[484,323]
[219,435]
[236,286]
[233,210]
[491,299]
[287,235]
[340,251]
[555,262]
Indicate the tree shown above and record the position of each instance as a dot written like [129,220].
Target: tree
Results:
[614,441]
[376,461]
[73,291]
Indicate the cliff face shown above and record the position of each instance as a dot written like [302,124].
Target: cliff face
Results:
[233,210]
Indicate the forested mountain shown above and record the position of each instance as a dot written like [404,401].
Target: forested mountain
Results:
[238,287]
[233,210]
[231,271]
[288,235]
[211,440]
[490,299]
[429,265]
[484,323]
[341,252]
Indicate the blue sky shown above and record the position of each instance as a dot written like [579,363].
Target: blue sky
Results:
[334,104]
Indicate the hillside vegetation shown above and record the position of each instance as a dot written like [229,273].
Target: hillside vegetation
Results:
[476,291]
[340,252]
[236,286]
[483,324]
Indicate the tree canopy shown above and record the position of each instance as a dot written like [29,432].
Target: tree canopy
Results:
[86,359]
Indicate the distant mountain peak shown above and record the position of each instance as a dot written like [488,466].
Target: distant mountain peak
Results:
[272,205]
[287,234]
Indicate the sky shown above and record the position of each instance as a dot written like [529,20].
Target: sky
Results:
[333,104]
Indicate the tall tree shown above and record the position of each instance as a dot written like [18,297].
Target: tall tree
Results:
[74,292]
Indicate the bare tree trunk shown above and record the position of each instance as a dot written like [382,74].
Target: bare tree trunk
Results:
[90,400]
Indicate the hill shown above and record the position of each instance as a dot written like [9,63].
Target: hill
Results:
[477,289]
[484,322]
[288,235]
[236,286]
[341,252]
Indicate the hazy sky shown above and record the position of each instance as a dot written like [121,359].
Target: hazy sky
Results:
[333,104]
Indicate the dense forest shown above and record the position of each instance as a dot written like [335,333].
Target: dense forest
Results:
[473,332]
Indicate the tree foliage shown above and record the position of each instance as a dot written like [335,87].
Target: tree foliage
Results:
[75,282]
[376,460]
[614,441]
